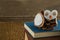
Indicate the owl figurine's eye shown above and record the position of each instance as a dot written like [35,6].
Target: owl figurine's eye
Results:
[54,12]
[46,14]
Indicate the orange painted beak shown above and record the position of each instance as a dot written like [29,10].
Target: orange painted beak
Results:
[50,17]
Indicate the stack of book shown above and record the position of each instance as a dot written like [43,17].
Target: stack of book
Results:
[33,33]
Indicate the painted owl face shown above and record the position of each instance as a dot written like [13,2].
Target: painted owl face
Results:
[49,15]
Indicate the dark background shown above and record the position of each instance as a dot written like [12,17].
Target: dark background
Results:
[13,14]
[26,8]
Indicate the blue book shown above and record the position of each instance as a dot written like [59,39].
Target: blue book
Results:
[36,33]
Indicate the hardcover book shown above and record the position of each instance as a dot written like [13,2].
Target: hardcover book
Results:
[29,37]
[38,33]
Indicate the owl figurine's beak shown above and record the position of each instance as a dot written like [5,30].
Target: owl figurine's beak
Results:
[50,17]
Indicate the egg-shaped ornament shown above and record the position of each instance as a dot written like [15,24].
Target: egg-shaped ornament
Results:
[39,20]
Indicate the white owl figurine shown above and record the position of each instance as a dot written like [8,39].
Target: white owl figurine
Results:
[48,18]
[51,15]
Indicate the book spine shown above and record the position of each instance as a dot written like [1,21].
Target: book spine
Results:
[29,30]
[41,34]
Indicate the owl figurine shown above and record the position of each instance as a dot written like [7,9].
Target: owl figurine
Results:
[50,19]
[46,19]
